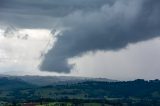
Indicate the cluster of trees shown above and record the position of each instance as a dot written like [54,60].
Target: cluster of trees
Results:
[85,102]
[125,89]
[138,91]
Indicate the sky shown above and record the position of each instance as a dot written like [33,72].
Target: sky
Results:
[116,39]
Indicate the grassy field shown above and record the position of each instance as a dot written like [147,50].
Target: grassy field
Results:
[71,104]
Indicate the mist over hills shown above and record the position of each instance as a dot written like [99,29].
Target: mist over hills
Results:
[54,80]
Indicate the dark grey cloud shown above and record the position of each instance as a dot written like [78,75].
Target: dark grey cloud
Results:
[43,13]
[110,27]
[94,25]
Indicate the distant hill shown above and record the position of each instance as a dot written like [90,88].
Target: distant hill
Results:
[7,83]
[58,80]
[23,88]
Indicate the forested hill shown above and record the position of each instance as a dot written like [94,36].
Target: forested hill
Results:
[13,84]
[125,89]
[18,90]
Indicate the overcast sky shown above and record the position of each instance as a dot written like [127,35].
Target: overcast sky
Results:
[117,39]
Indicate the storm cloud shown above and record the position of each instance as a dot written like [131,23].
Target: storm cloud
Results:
[43,13]
[88,25]
[111,27]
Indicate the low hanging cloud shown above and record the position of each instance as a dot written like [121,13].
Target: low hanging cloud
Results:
[43,13]
[110,27]
[92,25]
